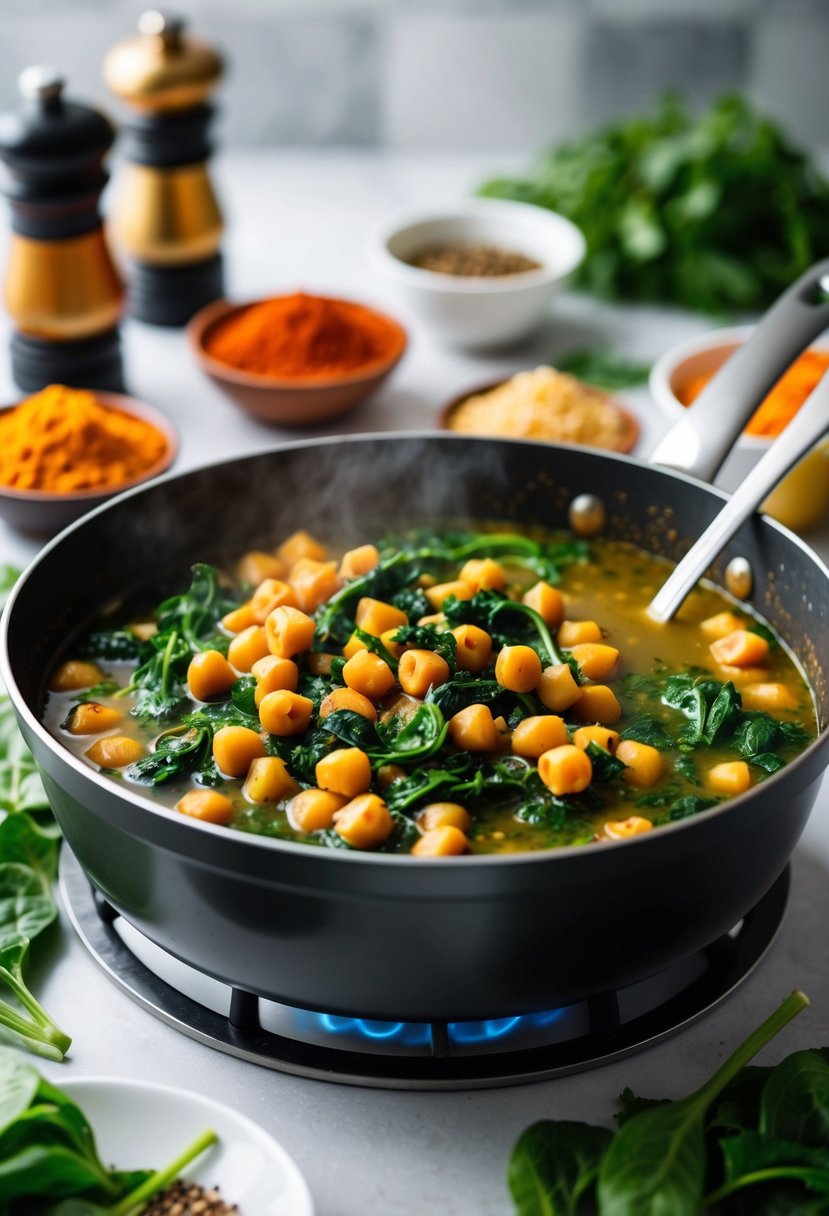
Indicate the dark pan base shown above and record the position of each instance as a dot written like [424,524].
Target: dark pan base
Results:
[600,1031]
[382,937]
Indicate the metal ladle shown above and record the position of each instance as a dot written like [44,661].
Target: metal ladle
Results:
[700,442]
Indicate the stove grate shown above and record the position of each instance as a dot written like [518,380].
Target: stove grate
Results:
[422,1055]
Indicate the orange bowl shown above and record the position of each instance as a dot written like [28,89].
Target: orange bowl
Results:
[40,513]
[627,441]
[289,401]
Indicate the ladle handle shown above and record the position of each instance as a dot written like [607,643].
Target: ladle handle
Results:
[809,424]
[700,442]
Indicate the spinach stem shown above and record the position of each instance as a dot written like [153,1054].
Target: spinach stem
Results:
[799,1173]
[162,1178]
[794,1004]
[540,625]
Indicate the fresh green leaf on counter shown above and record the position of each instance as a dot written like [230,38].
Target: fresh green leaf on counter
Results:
[49,1161]
[717,212]
[750,1134]
[553,1168]
[29,843]
[602,366]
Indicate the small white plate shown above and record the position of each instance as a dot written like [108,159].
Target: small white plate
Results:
[139,1125]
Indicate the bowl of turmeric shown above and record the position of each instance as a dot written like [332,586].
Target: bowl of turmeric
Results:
[296,360]
[680,375]
[64,451]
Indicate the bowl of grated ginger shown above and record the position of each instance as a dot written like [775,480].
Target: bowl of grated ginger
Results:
[544,405]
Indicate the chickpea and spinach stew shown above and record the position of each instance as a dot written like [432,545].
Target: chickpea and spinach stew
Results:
[435,695]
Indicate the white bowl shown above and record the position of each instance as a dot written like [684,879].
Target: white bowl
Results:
[140,1125]
[801,498]
[476,312]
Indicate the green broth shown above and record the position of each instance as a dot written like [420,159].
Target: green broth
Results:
[511,809]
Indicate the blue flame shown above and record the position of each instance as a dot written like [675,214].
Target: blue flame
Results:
[418,1034]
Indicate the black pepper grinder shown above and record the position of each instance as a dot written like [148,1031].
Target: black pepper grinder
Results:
[166,217]
[61,287]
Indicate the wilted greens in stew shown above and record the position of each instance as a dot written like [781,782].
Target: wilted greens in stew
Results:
[435,694]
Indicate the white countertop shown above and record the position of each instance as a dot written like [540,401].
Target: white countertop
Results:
[299,221]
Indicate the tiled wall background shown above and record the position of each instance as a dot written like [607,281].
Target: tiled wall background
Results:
[500,75]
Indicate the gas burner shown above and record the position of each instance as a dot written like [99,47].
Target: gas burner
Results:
[418,1055]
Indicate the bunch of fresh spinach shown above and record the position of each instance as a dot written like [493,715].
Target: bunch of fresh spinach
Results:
[716,212]
[602,366]
[49,1162]
[29,840]
[751,1140]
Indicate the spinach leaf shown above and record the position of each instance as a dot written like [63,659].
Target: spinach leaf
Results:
[114,645]
[752,1159]
[645,729]
[462,690]
[20,786]
[553,1168]
[416,739]
[685,807]
[427,637]
[242,695]
[18,1086]
[602,366]
[721,713]
[716,211]
[352,729]
[657,1160]
[764,632]
[631,1104]
[455,778]
[795,1101]
[26,842]
[26,1023]
[177,753]
[605,766]
[25,908]
[738,1108]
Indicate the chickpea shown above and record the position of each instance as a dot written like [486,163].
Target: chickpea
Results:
[91,718]
[565,770]
[364,822]
[643,763]
[368,674]
[208,805]
[445,841]
[359,561]
[246,647]
[483,574]
[313,810]
[572,633]
[344,771]
[557,689]
[235,748]
[376,616]
[209,675]
[444,814]
[298,545]
[547,602]
[115,751]
[518,668]
[288,631]
[268,780]
[473,729]
[347,698]
[75,674]
[473,648]
[534,736]
[285,713]
[420,670]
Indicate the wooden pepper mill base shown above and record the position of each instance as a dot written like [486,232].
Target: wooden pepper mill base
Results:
[88,363]
[171,295]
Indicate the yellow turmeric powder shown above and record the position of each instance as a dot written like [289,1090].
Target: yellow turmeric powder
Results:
[63,440]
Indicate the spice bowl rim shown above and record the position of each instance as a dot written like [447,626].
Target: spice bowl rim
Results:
[217,310]
[135,1119]
[127,404]
[632,432]
[667,371]
[467,212]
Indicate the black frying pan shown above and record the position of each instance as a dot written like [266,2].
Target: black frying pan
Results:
[392,937]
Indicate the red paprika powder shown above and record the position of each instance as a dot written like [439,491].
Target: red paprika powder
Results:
[303,337]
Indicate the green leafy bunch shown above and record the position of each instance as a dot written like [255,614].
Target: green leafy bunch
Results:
[750,1142]
[717,212]
[49,1161]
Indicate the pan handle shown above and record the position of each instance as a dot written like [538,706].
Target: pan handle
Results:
[700,442]
[809,425]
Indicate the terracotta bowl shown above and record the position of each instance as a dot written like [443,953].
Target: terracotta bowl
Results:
[41,514]
[289,402]
[626,443]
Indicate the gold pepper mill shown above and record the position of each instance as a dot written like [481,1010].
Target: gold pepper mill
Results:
[166,218]
[61,287]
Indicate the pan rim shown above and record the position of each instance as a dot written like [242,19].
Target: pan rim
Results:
[345,857]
